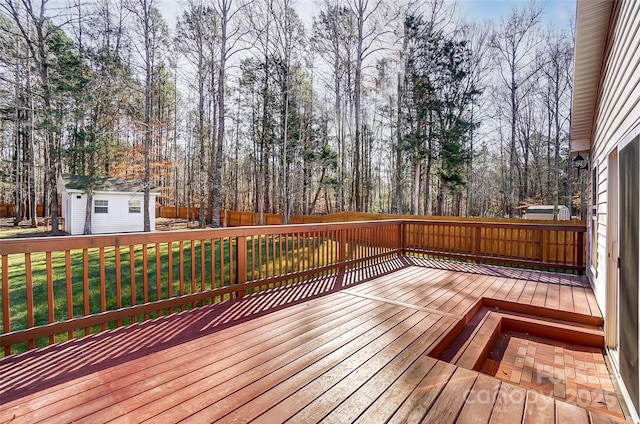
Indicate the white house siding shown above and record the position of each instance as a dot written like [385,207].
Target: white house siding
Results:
[617,114]
[119,220]
[617,119]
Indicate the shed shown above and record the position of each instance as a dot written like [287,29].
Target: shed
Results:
[117,204]
[546,212]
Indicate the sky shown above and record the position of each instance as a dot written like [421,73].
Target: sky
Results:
[558,13]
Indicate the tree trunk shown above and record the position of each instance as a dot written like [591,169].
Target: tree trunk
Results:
[88,213]
[217,186]
[148,105]
[416,186]
[357,107]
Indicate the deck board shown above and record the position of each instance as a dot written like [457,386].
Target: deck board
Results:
[251,375]
[328,350]
[418,403]
[480,402]
[328,369]
[446,408]
[509,406]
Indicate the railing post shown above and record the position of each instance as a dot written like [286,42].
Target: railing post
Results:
[342,248]
[401,239]
[241,263]
[580,261]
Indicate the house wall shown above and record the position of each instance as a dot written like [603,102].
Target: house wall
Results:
[617,114]
[117,220]
[617,118]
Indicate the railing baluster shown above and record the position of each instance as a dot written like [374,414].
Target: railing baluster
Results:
[158,278]
[68,285]
[6,304]
[103,288]
[132,278]
[212,265]
[231,261]
[170,273]
[192,268]
[181,265]
[202,272]
[118,283]
[145,278]
[280,260]
[241,263]
[50,303]
[221,261]
[253,257]
[273,256]
[260,238]
[301,252]
[478,244]
[29,289]
[265,261]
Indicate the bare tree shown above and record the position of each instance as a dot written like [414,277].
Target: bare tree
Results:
[556,67]
[334,35]
[478,36]
[35,26]
[196,31]
[143,11]
[514,43]
[372,21]
[233,39]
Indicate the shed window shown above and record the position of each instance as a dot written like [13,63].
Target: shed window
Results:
[100,206]
[134,206]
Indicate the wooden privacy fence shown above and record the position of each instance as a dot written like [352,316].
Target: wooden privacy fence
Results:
[9,210]
[54,289]
[231,218]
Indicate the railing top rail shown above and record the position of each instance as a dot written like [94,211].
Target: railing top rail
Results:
[562,226]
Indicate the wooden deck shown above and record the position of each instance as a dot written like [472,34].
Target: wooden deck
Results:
[359,348]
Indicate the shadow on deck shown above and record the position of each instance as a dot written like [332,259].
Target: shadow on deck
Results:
[360,347]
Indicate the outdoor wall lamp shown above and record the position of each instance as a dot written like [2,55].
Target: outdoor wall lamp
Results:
[580,162]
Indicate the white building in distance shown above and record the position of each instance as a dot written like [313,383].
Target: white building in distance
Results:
[117,204]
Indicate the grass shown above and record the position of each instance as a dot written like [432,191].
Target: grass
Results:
[7,232]
[193,278]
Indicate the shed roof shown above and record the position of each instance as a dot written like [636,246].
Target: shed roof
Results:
[104,184]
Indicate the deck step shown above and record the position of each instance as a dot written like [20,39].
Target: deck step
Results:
[477,347]
[472,343]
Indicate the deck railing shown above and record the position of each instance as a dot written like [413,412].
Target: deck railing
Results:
[54,289]
[542,246]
